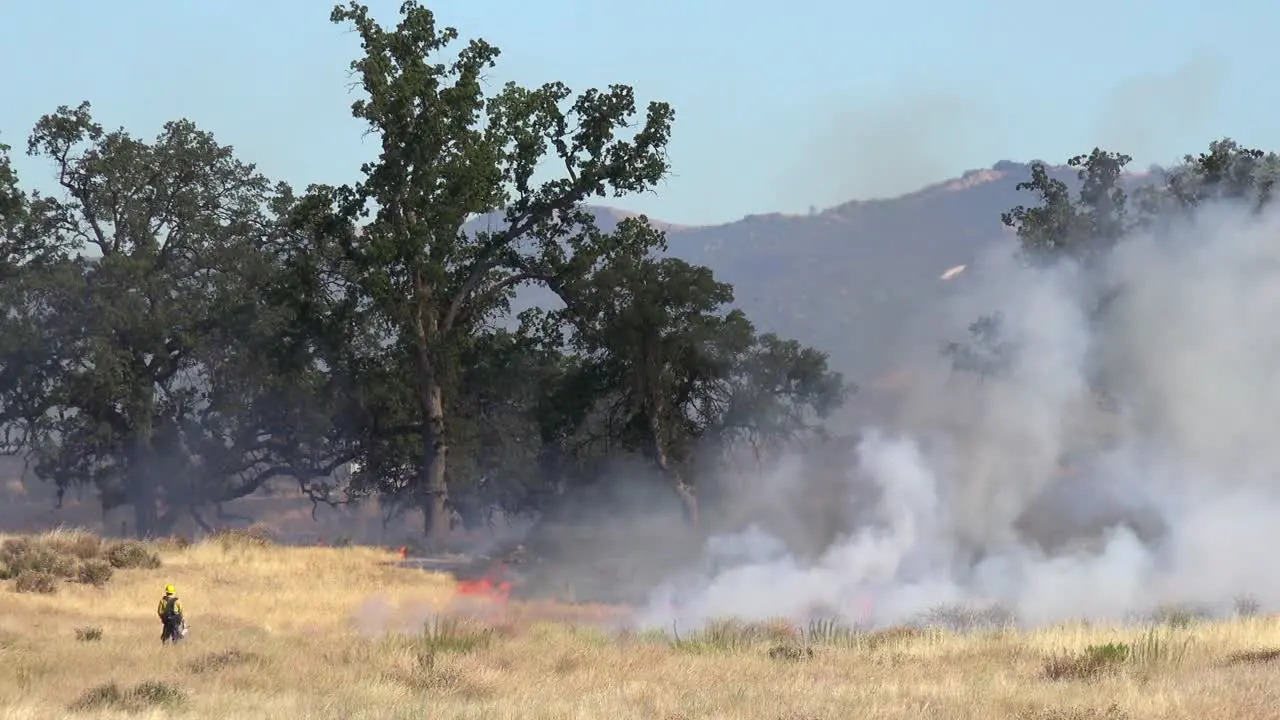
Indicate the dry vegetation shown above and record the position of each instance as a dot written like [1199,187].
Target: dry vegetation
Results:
[341,633]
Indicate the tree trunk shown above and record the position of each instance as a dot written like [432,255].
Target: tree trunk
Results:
[145,513]
[433,492]
[143,488]
[684,490]
[688,499]
[435,453]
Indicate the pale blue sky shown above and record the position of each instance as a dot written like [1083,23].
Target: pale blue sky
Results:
[780,106]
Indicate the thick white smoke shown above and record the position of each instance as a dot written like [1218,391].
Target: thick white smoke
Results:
[1175,493]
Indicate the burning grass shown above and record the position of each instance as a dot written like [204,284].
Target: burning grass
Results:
[343,632]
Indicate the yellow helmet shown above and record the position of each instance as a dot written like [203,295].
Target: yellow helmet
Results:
[168,590]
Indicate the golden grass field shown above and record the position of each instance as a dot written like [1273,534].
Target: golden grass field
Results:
[282,632]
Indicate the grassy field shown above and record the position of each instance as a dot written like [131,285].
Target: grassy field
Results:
[341,633]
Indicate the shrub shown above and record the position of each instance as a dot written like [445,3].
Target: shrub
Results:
[34,581]
[149,694]
[88,634]
[1247,606]
[790,652]
[1179,616]
[74,543]
[132,554]
[216,661]
[24,555]
[256,535]
[1094,662]
[731,635]
[892,636]
[95,572]
[446,634]
[965,618]
[1159,648]
[830,632]
[1254,657]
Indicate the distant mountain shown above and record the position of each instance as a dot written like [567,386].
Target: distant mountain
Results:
[849,279]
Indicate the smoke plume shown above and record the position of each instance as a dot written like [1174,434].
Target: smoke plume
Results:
[1172,490]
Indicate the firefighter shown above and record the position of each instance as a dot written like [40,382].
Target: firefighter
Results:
[170,612]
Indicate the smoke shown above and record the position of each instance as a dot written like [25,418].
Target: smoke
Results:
[1172,491]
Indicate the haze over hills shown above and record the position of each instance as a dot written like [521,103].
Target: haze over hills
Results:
[851,279]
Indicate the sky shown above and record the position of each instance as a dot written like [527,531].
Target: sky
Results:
[780,106]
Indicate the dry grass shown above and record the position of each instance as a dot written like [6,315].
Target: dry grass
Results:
[338,633]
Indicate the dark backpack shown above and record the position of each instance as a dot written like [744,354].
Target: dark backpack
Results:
[170,608]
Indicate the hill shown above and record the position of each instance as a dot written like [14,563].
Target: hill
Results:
[850,278]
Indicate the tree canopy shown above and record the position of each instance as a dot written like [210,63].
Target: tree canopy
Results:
[1107,207]
[179,331]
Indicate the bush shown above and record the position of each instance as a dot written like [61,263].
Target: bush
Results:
[131,554]
[216,661]
[75,543]
[25,555]
[256,535]
[446,634]
[791,652]
[1096,661]
[88,634]
[1247,606]
[965,618]
[34,581]
[95,572]
[149,694]
[731,635]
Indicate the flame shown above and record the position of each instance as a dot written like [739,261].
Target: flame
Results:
[490,586]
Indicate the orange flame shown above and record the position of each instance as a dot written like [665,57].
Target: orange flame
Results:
[490,586]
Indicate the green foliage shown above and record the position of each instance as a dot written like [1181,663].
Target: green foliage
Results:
[180,332]
[1094,662]
[1157,647]
[1106,207]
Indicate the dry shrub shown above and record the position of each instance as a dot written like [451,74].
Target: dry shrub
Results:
[1253,657]
[88,633]
[790,652]
[428,673]
[1110,712]
[34,581]
[831,632]
[454,635]
[28,555]
[216,661]
[132,555]
[78,544]
[139,698]
[892,637]
[1096,661]
[256,535]
[965,618]
[95,572]
[731,635]
[174,543]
